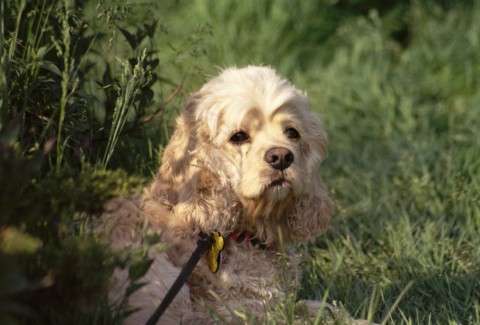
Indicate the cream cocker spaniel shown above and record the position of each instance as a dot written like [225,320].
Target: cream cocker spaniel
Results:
[243,161]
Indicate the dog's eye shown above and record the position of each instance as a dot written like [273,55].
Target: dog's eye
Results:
[292,133]
[239,137]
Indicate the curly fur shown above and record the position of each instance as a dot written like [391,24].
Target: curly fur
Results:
[207,183]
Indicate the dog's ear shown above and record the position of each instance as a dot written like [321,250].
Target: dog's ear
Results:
[312,211]
[316,139]
[311,215]
[187,175]
[177,157]
[178,154]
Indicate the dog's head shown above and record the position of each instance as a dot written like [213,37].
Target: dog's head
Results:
[252,132]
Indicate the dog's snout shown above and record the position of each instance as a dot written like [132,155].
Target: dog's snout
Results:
[279,158]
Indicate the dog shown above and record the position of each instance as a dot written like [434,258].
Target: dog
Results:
[243,161]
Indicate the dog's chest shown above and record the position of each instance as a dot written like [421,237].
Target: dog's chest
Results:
[245,272]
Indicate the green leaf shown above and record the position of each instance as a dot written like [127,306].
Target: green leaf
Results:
[139,269]
[50,66]
[13,241]
[41,52]
[134,287]
[131,39]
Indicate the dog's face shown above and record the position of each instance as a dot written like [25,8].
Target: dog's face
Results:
[244,154]
[263,135]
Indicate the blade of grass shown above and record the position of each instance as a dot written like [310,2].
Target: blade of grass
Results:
[131,82]
[395,304]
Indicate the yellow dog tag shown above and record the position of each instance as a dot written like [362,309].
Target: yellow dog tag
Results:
[214,253]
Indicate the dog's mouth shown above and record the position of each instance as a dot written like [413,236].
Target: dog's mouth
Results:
[279,183]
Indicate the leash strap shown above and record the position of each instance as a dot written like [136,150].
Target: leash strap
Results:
[203,244]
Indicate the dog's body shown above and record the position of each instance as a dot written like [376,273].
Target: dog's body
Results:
[242,161]
[249,277]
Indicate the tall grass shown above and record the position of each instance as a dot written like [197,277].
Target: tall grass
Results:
[59,86]
[67,86]
[64,106]
[403,138]
[131,82]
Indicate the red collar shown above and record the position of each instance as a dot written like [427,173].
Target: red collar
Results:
[248,238]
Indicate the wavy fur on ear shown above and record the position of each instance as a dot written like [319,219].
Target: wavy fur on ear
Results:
[311,214]
[178,155]
[194,194]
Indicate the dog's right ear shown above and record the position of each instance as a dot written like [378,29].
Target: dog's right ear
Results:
[177,155]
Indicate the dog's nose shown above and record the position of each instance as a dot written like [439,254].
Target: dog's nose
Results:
[279,158]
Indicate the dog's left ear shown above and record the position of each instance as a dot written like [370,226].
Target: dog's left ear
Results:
[311,215]
[316,139]
[313,209]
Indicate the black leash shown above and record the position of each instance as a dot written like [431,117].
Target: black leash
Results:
[203,244]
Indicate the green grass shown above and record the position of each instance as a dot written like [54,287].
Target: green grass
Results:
[404,169]
[398,88]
